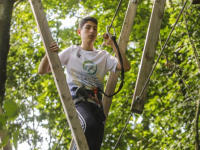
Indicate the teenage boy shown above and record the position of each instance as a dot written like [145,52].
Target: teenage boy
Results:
[85,69]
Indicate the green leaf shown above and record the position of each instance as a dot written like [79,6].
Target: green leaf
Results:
[12,109]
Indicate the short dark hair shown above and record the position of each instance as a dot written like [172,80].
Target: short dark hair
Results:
[86,19]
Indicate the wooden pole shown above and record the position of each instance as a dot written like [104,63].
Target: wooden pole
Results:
[123,40]
[59,77]
[148,55]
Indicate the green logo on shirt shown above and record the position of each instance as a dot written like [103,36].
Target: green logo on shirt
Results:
[90,67]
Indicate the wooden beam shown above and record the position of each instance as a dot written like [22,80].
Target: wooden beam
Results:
[195,1]
[123,40]
[148,55]
[59,76]
[71,144]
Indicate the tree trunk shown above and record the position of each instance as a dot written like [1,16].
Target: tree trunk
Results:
[6,7]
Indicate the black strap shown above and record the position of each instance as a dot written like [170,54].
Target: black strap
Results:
[122,70]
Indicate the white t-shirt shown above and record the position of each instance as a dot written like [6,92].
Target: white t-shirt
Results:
[86,67]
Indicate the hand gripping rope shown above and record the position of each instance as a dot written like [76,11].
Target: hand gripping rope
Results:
[113,37]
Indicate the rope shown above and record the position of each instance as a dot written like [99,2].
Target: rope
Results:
[139,97]
[122,70]
[123,130]
[119,54]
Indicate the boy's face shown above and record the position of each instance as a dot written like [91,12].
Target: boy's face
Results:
[88,33]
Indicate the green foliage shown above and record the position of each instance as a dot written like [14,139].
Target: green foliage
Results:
[168,118]
[11,109]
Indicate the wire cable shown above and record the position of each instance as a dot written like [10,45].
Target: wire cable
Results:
[115,15]
[123,130]
[61,136]
[138,98]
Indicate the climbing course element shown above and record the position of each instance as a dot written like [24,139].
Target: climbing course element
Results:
[148,56]
[59,76]
[123,40]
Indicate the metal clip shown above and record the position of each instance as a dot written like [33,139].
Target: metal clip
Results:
[138,99]
[108,29]
[134,1]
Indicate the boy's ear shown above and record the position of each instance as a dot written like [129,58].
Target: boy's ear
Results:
[79,32]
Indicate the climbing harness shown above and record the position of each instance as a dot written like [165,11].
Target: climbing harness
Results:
[85,95]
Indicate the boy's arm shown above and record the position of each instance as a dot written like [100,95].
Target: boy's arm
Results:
[44,67]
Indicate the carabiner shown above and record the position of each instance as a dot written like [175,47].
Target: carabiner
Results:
[107,31]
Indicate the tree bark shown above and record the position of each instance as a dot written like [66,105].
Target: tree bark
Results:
[195,1]
[6,8]
[197,144]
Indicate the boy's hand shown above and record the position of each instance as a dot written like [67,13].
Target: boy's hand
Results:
[54,47]
[108,40]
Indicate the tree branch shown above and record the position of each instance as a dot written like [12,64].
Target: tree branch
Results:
[196,125]
[192,97]
[193,45]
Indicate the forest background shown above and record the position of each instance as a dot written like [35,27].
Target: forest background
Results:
[31,113]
